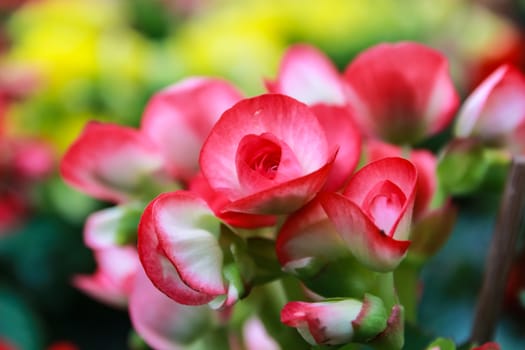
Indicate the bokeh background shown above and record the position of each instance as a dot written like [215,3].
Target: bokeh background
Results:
[64,62]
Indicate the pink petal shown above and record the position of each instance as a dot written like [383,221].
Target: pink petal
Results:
[308,75]
[308,234]
[217,200]
[288,121]
[188,233]
[113,280]
[401,92]
[163,323]
[424,161]
[372,247]
[109,161]
[159,269]
[495,108]
[342,134]
[323,323]
[256,337]
[283,198]
[398,171]
[179,118]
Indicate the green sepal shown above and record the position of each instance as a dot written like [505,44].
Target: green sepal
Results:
[442,344]
[371,321]
[127,226]
[262,253]
[393,336]
[461,167]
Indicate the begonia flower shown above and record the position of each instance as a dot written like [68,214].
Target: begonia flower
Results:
[432,222]
[373,215]
[110,162]
[267,155]
[163,323]
[401,92]
[337,322]
[178,243]
[495,111]
[113,280]
[179,118]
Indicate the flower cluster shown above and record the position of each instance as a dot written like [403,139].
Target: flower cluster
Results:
[315,184]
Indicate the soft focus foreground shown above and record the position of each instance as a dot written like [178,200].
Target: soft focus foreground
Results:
[256,174]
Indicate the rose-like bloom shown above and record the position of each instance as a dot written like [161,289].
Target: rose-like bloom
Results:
[110,162]
[163,323]
[178,243]
[113,280]
[373,215]
[267,155]
[432,223]
[337,322]
[179,118]
[401,92]
[495,111]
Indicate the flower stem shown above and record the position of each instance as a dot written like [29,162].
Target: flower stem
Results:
[501,253]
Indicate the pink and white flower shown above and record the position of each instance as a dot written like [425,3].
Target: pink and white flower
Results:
[373,215]
[110,162]
[401,92]
[267,155]
[495,111]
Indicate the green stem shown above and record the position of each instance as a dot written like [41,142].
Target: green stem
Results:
[406,278]
[273,298]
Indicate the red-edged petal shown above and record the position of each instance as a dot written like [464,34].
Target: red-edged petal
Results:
[161,270]
[179,118]
[109,161]
[401,92]
[308,75]
[283,198]
[343,134]
[398,171]
[218,200]
[424,161]
[308,234]
[372,247]
[188,232]
[113,281]
[163,323]
[323,323]
[288,121]
[495,108]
